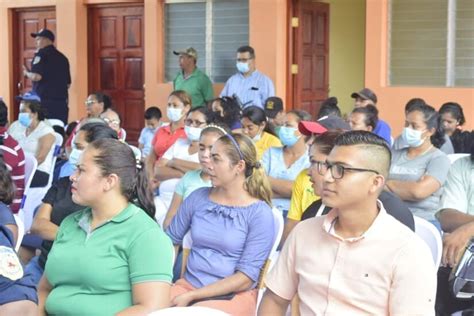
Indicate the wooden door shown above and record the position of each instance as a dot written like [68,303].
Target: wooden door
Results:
[311,54]
[116,62]
[27,21]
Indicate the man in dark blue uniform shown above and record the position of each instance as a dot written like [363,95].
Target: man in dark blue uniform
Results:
[50,76]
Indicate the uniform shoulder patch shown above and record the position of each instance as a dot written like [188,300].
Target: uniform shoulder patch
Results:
[36,60]
[10,266]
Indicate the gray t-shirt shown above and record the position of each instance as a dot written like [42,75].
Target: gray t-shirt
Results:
[434,163]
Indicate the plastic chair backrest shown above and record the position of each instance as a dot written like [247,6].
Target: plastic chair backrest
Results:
[432,236]
[56,122]
[21,231]
[137,152]
[30,168]
[57,151]
[454,157]
[123,134]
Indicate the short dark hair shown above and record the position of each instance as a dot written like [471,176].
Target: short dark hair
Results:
[94,131]
[379,153]
[329,107]
[325,142]
[3,113]
[103,98]
[371,115]
[456,111]
[432,119]
[247,49]
[153,112]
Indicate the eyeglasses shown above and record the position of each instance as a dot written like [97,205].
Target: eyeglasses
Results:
[337,171]
[243,60]
[89,102]
[190,122]
[109,121]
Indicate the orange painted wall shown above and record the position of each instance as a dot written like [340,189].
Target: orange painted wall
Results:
[267,34]
[392,100]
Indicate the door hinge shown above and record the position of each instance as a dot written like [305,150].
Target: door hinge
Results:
[294,69]
[295,22]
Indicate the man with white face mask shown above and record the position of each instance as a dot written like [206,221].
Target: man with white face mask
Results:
[248,84]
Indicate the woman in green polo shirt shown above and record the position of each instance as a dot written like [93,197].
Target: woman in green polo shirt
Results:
[112,257]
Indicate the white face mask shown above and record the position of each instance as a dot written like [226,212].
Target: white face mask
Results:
[174,114]
[412,137]
[193,133]
[74,156]
[242,67]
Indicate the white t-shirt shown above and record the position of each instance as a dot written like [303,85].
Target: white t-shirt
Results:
[459,188]
[30,143]
[180,150]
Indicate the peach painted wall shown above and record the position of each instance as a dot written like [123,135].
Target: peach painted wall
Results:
[267,23]
[392,100]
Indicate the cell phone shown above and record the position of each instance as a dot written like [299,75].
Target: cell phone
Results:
[254,88]
[214,298]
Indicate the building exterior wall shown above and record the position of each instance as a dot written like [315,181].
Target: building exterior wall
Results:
[392,100]
[346,50]
[267,22]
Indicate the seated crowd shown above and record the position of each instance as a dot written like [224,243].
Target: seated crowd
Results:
[191,216]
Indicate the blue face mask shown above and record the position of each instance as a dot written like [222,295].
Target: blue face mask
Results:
[242,67]
[24,119]
[174,114]
[74,157]
[287,136]
[412,137]
[193,133]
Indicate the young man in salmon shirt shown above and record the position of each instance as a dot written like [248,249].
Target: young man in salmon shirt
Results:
[364,261]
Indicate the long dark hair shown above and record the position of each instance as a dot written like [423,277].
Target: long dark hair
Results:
[230,109]
[115,157]
[456,111]
[432,120]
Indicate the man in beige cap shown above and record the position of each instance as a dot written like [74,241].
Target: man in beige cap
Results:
[192,80]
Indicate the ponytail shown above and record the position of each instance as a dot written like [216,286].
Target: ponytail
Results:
[240,147]
[257,184]
[142,194]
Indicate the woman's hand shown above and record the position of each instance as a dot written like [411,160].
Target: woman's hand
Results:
[183,300]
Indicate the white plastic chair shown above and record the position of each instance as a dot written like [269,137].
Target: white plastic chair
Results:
[454,157]
[432,236]
[137,152]
[35,195]
[191,310]
[56,122]
[31,164]
[279,224]
[21,231]
[123,134]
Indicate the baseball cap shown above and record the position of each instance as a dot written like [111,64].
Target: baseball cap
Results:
[334,122]
[187,51]
[44,33]
[308,128]
[365,94]
[29,96]
[273,105]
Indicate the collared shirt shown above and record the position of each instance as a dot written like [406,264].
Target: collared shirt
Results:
[302,195]
[387,271]
[198,85]
[226,239]
[53,67]
[14,159]
[251,90]
[459,188]
[145,139]
[164,138]
[273,162]
[92,271]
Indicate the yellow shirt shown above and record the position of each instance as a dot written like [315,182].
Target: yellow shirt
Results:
[302,195]
[266,141]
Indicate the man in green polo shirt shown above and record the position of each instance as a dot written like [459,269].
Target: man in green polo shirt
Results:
[191,79]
